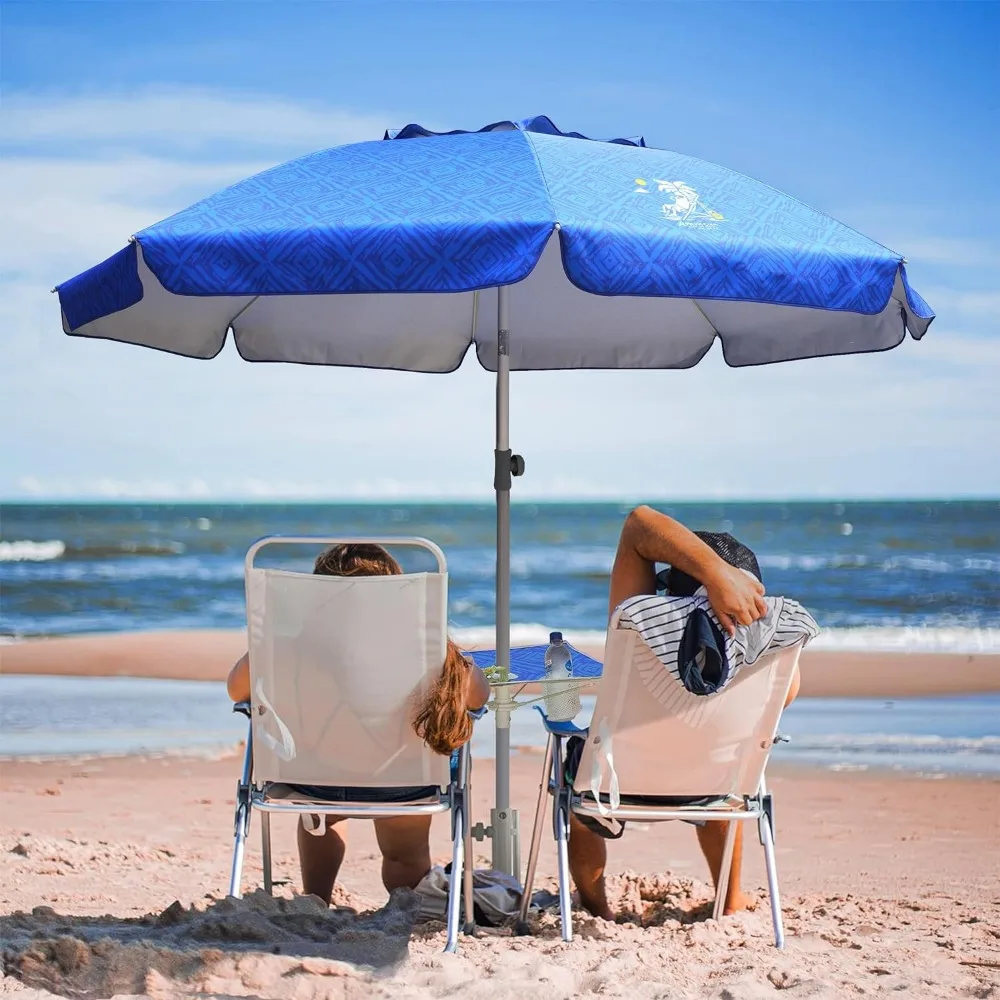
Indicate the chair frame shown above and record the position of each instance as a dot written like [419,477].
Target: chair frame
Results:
[566,800]
[455,799]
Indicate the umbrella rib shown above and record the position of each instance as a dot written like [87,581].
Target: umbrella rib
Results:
[694,302]
[243,310]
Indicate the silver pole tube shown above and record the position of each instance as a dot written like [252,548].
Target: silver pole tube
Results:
[503,489]
[501,819]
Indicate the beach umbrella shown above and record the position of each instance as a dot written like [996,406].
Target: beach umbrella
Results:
[542,249]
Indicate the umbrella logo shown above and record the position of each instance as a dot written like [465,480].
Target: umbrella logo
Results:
[684,206]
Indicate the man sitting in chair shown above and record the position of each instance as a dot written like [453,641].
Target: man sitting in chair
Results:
[728,572]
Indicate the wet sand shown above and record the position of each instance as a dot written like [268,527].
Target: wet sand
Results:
[204,655]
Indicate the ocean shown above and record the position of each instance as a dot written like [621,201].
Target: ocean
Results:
[920,576]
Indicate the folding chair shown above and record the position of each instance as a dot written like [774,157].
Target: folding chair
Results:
[337,665]
[711,750]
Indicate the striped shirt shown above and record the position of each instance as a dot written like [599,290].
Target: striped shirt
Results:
[661,622]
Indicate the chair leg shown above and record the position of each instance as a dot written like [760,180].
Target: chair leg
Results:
[767,837]
[265,840]
[536,833]
[469,857]
[722,888]
[457,874]
[239,845]
[562,847]
[243,809]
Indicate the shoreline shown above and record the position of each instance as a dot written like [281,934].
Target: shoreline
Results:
[791,770]
[208,654]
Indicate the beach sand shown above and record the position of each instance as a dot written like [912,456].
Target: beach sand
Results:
[204,655]
[114,875]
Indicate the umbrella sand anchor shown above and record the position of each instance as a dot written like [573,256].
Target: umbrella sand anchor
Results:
[503,819]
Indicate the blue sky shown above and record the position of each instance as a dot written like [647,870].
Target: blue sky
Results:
[885,115]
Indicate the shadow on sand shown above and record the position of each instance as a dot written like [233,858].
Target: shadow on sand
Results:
[256,941]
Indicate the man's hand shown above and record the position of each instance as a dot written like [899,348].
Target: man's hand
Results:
[737,598]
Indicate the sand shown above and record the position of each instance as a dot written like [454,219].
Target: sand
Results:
[114,873]
[204,655]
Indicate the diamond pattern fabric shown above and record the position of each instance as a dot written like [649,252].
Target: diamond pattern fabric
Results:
[619,256]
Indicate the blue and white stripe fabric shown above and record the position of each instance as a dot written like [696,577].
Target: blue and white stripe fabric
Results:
[662,621]
[387,254]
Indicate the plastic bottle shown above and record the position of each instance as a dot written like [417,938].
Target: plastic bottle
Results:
[562,700]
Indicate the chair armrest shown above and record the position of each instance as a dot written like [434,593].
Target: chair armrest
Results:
[560,728]
[243,707]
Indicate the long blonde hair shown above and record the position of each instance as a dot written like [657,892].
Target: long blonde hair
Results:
[441,719]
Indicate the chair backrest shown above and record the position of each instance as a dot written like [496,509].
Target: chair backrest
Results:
[337,666]
[667,741]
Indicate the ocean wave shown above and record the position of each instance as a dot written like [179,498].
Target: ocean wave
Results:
[857,640]
[47,551]
[124,549]
[913,639]
[915,563]
[893,743]
[528,634]
[28,551]
[535,562]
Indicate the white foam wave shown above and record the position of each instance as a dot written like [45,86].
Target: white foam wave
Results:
[895,742]
[530,634]
[857,560]
[913,639]
[27,551]
[859,640]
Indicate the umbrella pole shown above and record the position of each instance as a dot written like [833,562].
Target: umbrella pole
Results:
[502,819]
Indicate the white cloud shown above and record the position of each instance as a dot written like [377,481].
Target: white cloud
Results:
[70,212]
[952,250]
[184,118]
[926,233]
[952,305]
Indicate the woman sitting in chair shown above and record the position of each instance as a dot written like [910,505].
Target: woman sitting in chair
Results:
[442,721]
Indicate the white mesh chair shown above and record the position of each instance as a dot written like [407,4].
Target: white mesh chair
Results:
[337,665]
[710,748]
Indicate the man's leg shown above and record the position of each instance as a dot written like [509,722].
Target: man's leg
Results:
[633,573]
[588,854]
[712,838]
[320,858]
[406,853]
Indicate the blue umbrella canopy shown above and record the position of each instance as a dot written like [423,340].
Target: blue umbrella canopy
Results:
[618,256]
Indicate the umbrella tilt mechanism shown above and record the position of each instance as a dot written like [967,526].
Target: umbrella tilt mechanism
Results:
[506,465]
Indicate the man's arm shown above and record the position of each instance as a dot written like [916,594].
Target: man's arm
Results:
[649,537]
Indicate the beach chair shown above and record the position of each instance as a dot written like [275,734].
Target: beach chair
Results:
[337,665]
[711,750]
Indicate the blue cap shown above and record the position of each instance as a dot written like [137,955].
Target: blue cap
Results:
[555,637]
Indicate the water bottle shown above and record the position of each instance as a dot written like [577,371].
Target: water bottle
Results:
[562,701]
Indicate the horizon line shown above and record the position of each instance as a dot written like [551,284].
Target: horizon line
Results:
[488,499]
